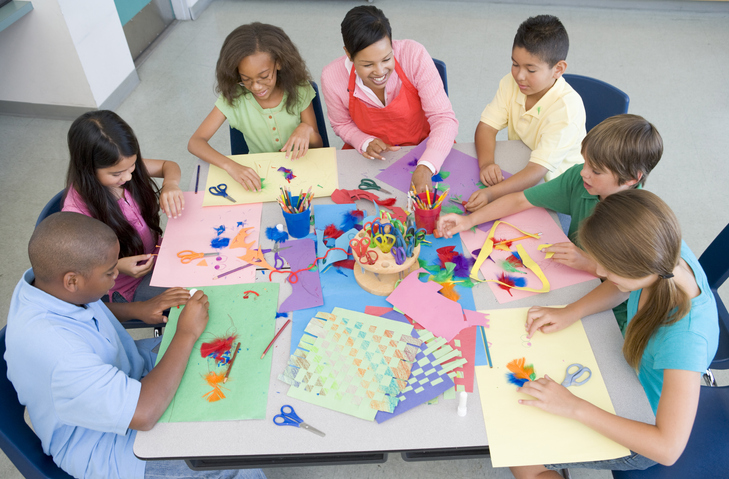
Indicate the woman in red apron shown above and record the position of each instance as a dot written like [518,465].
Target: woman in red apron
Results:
[385,94]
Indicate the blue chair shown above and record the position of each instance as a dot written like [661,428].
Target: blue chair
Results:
[707,451]
[715,261]
[601,99]
[238,145]
[54,206]
[17,440]
[441,66]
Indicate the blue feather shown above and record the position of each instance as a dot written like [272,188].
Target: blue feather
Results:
[275,235]
[511,377]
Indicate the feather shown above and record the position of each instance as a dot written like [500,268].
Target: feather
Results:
[446,255]
[515,259]
[214,380]
[217,348]
[351,218]
[520,372]
[275,235]
[413,162]
[345,263]
[510,282]
[507,266]
[332,231]
[449,291]
[288,174]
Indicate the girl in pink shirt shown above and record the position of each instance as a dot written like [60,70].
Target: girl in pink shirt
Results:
[384,94]
[108,180]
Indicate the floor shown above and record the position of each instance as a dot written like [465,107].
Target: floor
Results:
[656,51]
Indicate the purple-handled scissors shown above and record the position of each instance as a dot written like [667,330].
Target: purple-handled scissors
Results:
[289,418]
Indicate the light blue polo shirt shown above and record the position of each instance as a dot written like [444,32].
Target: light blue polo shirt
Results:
[77,371]
[689,344]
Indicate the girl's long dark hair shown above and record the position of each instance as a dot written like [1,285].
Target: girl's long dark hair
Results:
[99,139]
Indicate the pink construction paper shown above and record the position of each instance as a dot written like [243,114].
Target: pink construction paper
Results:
[533,220]
[195,230]
[467,338]
[436,313]
[306,291]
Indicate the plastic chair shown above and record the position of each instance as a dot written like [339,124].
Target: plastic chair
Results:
[441,66]
[601,99]
[707,451]
[17,440]
[715,261]
[238,145]
[54,206]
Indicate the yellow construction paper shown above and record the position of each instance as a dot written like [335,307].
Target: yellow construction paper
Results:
[317,169]
[522,435]
[543,246]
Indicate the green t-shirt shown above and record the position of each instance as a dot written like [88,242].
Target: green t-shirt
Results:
[266,130]
[566,194]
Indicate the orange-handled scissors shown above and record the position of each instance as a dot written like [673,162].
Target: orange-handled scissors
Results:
[360,247]
[187,255]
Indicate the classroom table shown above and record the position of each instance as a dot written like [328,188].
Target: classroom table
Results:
[427,432]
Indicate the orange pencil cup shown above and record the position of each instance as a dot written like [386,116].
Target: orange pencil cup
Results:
[427,219]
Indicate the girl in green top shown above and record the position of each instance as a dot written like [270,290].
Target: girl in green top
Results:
[264,93]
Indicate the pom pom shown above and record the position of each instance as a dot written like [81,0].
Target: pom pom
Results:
[274,234]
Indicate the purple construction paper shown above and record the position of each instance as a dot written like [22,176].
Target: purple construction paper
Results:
[463,169]
[306,291]
[411,398]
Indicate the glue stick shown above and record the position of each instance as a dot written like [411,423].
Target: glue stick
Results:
[462,403]
[192,292]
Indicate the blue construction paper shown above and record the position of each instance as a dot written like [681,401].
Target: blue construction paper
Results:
[325,215]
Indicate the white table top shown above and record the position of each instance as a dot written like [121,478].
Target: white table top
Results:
[425,427]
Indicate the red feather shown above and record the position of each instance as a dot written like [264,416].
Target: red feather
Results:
[514,260]
[332,231]
[217,347]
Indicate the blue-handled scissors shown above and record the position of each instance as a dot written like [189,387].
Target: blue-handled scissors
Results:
[401,250]
[220,190]
[289,418]
[415,236]
[368,184]
[576,378]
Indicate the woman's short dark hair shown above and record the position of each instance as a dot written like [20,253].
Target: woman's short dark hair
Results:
[362,26]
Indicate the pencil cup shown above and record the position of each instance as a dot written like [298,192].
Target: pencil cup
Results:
[427,219]
[297,223]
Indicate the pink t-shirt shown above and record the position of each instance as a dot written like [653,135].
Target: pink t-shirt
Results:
[125,285]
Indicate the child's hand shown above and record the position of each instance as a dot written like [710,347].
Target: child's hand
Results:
[491,174]
[298,143]
[136,266]
[548,320]
[551,397]
[376,147]
[570,255]
[150,311]
[245,176]
[194,317]
[171,200]
[451,224]
[478,200]
[422,177]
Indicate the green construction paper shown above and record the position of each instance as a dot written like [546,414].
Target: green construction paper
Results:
[246,391]
[450,394]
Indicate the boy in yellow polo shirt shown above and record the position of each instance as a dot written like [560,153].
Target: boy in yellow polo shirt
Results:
[537,106]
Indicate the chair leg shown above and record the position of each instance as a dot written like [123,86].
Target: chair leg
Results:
[709,378]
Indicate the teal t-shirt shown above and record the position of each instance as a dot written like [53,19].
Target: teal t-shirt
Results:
[688,344]
[266,130]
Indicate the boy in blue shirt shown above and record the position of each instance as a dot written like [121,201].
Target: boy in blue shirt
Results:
[619,154]
[87,386]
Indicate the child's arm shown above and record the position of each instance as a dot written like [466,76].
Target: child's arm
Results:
[662,443]
[150,311]
[160,385]
[485,139]
[305,136]
[199,146]
[171,199]
[526,178]
[450,224]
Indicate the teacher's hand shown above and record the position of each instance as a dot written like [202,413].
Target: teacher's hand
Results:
[376,147]
[422,177]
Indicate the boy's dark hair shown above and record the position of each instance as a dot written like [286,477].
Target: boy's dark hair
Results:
[545,37]
[627,145]
[99,139]
[362,26]
[250,39]
[68,242]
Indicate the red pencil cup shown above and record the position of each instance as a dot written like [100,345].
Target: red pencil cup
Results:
[427,219]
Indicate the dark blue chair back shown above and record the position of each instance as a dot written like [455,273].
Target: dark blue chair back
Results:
[441,67]
[17,440]
[601,99]
[715,261]
[707,451]
[238,145]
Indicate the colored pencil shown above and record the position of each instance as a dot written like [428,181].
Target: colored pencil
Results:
[230,364]
[519,238]
[197,180]
[486,345]
[274,338]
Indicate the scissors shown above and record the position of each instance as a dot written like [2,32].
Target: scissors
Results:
[414,236]
[401,249]
[384,241]
[571,379]
[220,190]
[360,247]
[368,184]
[187,255]
[289,418]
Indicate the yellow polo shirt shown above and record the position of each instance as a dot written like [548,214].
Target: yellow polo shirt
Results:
[553,128]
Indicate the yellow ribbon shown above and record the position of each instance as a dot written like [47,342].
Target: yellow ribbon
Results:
[529,263]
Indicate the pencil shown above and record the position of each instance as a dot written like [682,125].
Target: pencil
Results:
[517,239]
[197,180]
[230,364]
[274,338]
[486,345]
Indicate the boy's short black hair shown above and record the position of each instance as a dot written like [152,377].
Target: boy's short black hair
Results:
[362,26]
[545,37]
[68,242]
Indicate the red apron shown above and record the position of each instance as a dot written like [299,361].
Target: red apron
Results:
[402,122]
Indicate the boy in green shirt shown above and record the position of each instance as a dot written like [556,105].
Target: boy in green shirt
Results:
[619,154]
